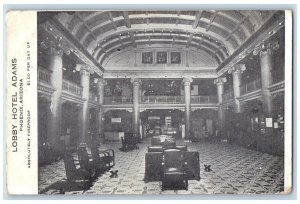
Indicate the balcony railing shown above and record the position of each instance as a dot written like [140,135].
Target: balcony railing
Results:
[111,100]
[44,75]
[72,88]
[203,99]
[162,99]
[250,87]
[227,96]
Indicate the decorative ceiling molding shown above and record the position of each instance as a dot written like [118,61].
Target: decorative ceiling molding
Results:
[226,35]
[156,74]
[273,25]
[53,30]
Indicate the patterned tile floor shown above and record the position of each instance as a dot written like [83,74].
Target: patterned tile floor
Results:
[235,170]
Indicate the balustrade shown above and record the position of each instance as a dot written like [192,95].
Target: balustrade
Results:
[162,99]
[251,86]
[203,99]
[72,88]
[111,100]
[44,76]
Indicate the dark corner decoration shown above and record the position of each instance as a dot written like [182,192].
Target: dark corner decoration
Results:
[175,58]
[147,57]
[161,57]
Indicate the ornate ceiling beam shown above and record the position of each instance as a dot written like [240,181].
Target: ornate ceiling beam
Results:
[184,27]
[271,27]
[112,20]
[149,40]
[160,73]
[174,32]
[236,28]
[93,14]
[197,19]
[189,40]
[57,29]
[217,54]
[108,52]
[126,19]
[211,20]
[85,25]
[214,43]
[132,39]
[173,41]
[120,39]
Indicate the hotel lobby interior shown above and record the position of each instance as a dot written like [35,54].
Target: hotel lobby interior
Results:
[152,102]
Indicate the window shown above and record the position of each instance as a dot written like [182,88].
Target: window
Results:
[175,58]
[147,57]
[161,57]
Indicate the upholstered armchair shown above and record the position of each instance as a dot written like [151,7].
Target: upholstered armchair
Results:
[174,170]
[163,142]
[153,167]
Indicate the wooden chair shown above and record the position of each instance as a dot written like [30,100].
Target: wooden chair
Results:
[103,160]
[74,171]
[109,158]
[174,170]
[99,159]
[85,160]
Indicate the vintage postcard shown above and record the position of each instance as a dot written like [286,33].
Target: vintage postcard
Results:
[139,102]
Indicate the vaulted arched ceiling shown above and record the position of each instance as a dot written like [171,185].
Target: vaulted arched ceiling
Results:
[217,32]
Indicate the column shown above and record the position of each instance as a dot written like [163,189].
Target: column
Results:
[237,71]
[220,89]
[136,82]
[187,98]
[84,113]
[266,65]
[101,83]
[54,121]
[265,51]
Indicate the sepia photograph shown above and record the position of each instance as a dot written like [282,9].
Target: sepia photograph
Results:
[157,102]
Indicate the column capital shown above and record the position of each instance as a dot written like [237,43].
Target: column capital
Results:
[84,69]
[237,69]
[136,81]
[266,47]
[220,81]
[55,45]
[101,81]
[55,51]
[187,81]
